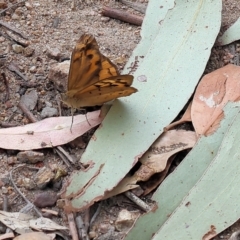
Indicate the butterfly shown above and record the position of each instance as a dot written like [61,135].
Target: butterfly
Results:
[93,79]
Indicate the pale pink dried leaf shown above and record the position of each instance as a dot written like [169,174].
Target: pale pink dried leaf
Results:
[49,132]
[212,94]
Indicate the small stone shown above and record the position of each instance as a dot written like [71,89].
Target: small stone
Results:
[2,39]
[4,190]
[43,177]
[17,48]
[30,156]
[28,51]
[92,234]
[8,104]
[58,74]
[15,16]
[28,5]
[61,203]
[28,184]
[49,112]
[29,99]
[33,69]
[11,160]
[45,199]
[105,19]
[104,227]
[125,220]
[53,53]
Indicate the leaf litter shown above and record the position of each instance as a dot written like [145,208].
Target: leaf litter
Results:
[213,119]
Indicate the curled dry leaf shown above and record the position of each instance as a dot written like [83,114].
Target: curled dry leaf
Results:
[186,117]
[156,159]
[212,94]
[49,132]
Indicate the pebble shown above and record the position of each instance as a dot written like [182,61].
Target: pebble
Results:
[49,112]
[29,99]
[33,69]
[53,53]
[17,48]
[43,177]
[125,220]
[2,39]
[28,51]
[45,199]
[28,5]
[15,16]
[58,74]
[30,156]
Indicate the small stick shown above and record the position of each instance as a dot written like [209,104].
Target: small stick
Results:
[72,226]
[96,213]
[61,155]
[12,7]
[13,68]
[122,15]
[55,213]
[20,193]
[26,111]
[137,201]
[82,231]
[8,125]
[137,6]
[6,25]
[17,39]
[7,86]
[87,218]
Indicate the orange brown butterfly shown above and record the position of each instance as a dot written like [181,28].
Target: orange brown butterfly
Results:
[93,79]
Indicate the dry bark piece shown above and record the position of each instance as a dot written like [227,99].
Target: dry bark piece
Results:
[122,15]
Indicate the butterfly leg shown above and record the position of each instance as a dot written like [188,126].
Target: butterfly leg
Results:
[72,112]
[86,116]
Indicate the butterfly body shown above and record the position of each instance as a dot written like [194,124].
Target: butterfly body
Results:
[93,79]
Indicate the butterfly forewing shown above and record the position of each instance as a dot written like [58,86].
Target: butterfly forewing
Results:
[85,63]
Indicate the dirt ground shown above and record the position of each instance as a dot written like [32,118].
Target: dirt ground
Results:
[57,25]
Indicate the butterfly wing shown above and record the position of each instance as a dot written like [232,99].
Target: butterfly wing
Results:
[96,97]
[85,63]
[93,78]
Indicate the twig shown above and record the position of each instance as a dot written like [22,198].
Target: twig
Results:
[137,201]
[62,156]
[6,25]
[72,226]
[96,213]
[87,218]
[122,15]
[20,193]
[82,232]
[12,7]
[5,203]
[17,39]
[27,112]
[7,86]
[137,6]
[12,67]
